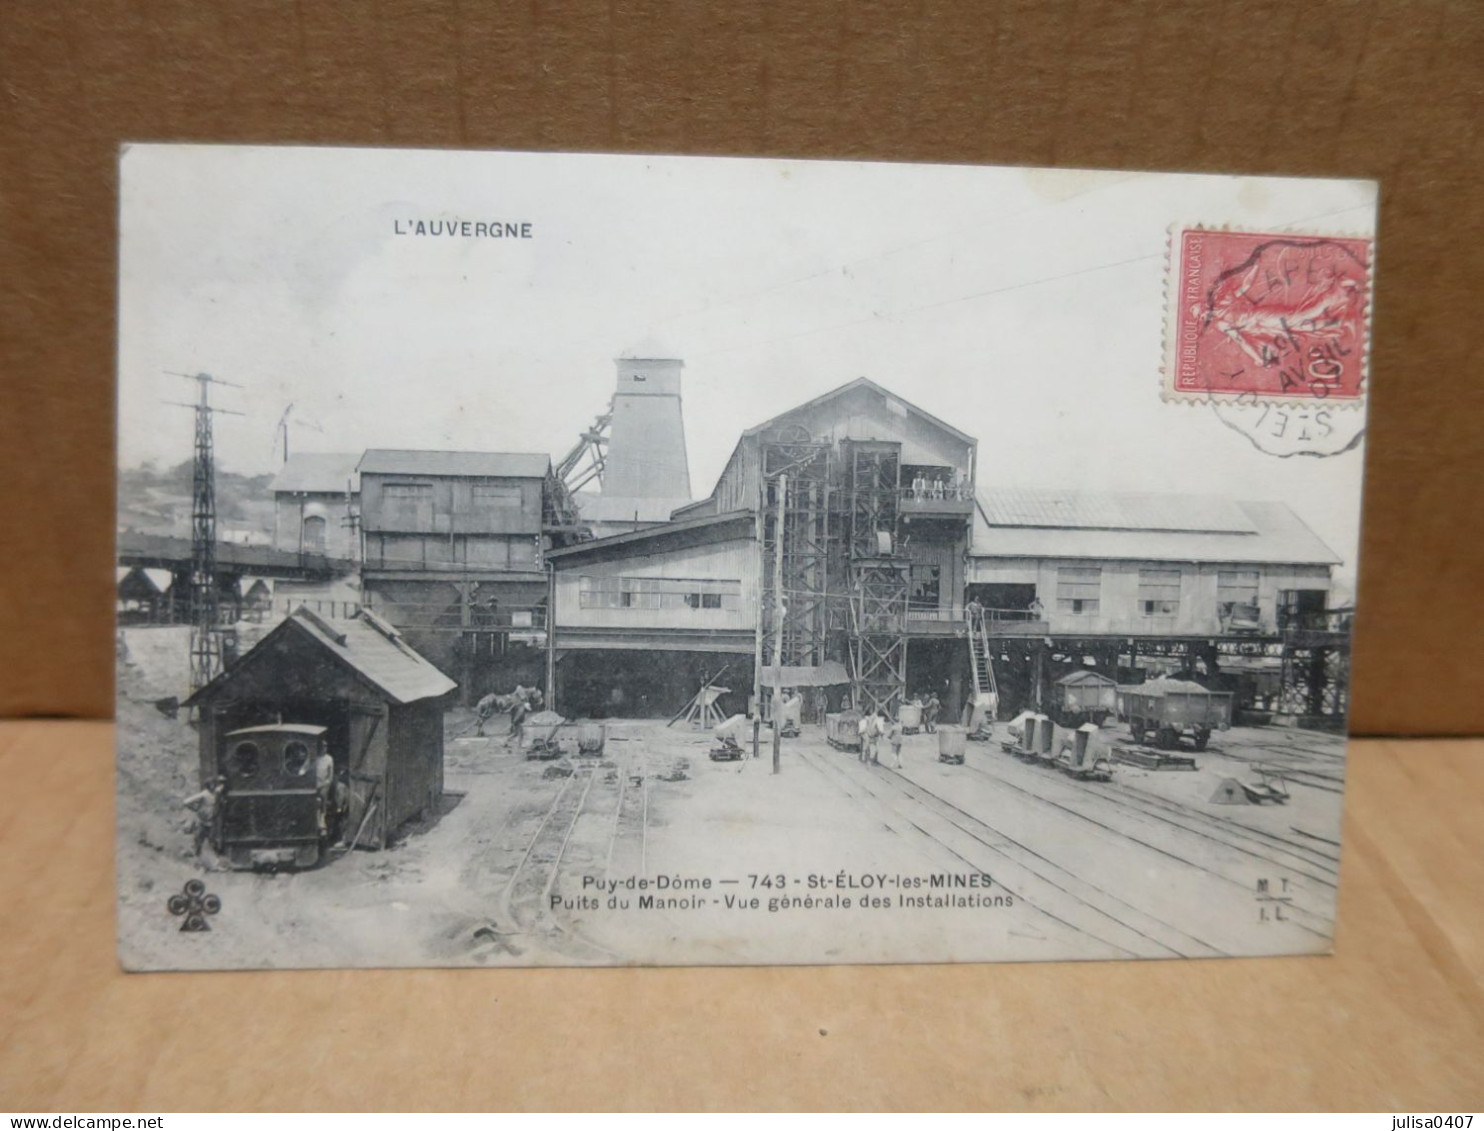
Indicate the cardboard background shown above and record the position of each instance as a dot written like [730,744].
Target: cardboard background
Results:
[1337,89]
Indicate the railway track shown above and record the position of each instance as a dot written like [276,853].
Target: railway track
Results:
[1060,894]
[1314,865]
[1310,860]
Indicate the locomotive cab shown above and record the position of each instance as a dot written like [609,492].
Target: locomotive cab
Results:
[274,812]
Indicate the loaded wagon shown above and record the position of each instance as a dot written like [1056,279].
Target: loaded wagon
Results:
[1167,710]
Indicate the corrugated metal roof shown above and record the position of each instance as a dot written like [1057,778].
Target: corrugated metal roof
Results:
[482,465]
[1040,506]
[862,383]
[377,651]
[318,473]
[831,673]
[1077,679]
[659,531]
[1273,534]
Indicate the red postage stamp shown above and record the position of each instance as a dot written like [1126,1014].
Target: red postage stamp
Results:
[1267,317]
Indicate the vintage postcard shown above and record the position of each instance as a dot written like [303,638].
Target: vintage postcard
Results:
[548,559]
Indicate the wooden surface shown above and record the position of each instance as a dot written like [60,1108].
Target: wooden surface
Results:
[1328,87]
[1393,1022]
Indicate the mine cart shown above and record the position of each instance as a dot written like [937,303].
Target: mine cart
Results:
[951,743]
[1169,709]
[1082,754]
[910,716]
[543,735]
[842,730]
[1084,697]
[274,813]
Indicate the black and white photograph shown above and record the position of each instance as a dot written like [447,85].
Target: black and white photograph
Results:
[539,559]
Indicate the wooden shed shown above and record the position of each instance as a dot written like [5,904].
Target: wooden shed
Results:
[381,702]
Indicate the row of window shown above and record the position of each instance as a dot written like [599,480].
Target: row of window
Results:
[410,505]
[658,593]
[1079,589]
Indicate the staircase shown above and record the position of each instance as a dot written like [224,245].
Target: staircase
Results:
[979,659]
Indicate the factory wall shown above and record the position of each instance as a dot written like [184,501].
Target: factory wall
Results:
[291,534]
[1113,601]
[589,594]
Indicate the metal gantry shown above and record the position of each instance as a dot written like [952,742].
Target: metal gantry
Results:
[878,633]
[206,631]
[879,578]
[795,547]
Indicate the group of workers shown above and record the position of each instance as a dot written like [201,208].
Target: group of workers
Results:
[940,487]
[874,729]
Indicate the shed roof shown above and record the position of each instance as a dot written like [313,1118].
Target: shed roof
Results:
[365,644]
[831,673]
[474,465]
[707,528]
[1075,679]
[318,473]
[1020,523]
[851,386]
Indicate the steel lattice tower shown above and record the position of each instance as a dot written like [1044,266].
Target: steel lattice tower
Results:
[802,520]
[879,580]
[206,638]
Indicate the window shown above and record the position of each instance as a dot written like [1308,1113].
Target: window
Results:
[407,506]
[1159,592]
[313,540]
[497,497]
[1079,589]
[1236,599]
[245,759]
[1237,586]
[295,759]
[926,586]
[658,593]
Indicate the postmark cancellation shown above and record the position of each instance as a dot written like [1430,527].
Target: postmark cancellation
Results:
[1267,319]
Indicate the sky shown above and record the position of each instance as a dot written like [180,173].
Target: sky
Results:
[1026,307]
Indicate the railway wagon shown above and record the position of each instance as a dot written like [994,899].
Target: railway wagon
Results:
[1170,709]
[842,730]
[1084,697]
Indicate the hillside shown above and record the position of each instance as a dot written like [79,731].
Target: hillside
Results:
[158,501]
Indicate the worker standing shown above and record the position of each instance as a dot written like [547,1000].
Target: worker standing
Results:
[894,736]
[930,711]
[204,806]
[324,786]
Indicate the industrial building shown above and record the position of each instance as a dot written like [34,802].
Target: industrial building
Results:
[833,541]
[847,549]
[316,504]
[454,548]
